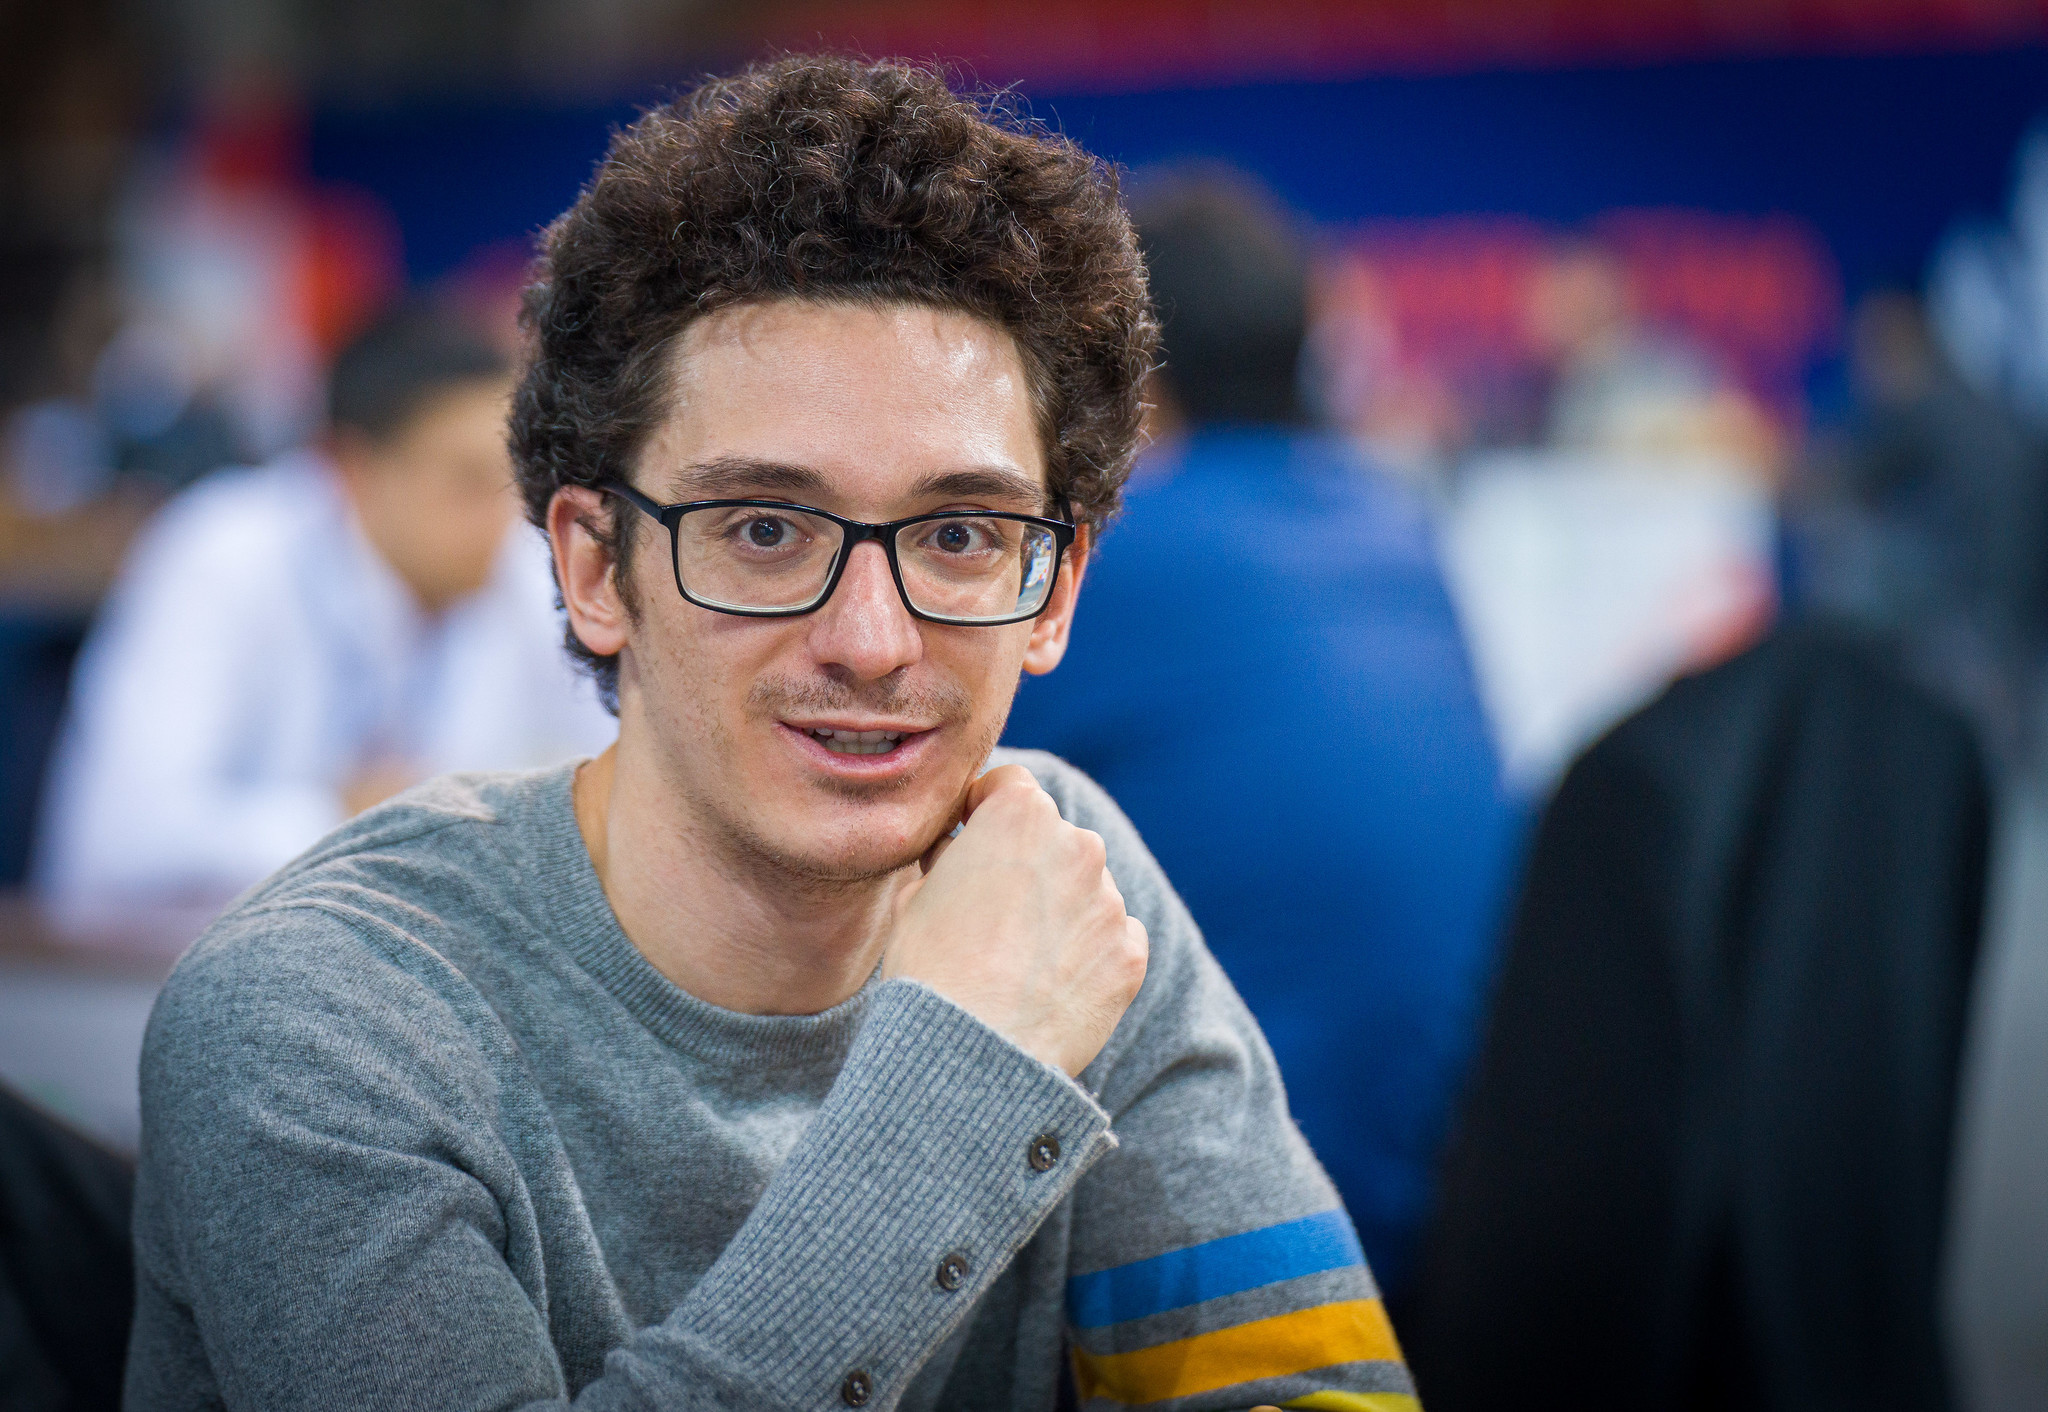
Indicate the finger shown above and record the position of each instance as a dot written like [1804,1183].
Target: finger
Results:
[1002,777]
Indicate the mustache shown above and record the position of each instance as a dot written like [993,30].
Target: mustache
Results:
[938,703]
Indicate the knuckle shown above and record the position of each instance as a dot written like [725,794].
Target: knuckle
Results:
[1133,973]
[1010,786]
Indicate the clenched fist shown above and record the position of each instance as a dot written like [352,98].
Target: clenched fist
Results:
[1017,921]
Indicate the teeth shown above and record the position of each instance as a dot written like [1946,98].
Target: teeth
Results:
[858,742]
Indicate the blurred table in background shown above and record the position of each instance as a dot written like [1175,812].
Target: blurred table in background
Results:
[75,992]
[53,571]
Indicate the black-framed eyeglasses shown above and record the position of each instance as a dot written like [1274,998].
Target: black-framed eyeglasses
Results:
[771,559]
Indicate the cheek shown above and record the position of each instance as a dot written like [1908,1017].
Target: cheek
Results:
[471,537]
[705,663]
[987,662]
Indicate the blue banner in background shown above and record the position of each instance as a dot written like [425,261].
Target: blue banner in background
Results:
[1878,153]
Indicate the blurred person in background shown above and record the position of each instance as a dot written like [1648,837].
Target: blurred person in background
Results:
[1619,386]
[291,644]
[1277,691]
[1928,518]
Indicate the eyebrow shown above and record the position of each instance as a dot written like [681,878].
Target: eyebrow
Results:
[982,483]
[740,476]
[737,476]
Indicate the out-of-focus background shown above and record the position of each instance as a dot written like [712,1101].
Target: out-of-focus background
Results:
[1680,327]
[1613,282]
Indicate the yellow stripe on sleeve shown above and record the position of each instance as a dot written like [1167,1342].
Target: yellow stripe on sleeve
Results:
[1354,1331]
[1357,1402]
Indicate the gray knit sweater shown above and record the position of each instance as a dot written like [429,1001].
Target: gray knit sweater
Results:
[422,1129]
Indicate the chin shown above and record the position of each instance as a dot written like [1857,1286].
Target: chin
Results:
[881,841]
[852,840]
[860,861]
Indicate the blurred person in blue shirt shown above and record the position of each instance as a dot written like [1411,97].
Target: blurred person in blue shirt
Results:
[1274,687]
[289,644]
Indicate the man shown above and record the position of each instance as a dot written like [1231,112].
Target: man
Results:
[722,1071]
[291,644]
[1272,682]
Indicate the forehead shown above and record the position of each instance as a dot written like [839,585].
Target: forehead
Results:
[872,397]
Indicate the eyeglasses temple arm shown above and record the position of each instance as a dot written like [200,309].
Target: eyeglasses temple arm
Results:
[632,496]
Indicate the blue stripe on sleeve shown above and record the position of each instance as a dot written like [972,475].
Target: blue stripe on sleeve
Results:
[1213,1269]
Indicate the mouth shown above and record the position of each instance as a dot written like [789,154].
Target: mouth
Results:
[844,742]
[857,749]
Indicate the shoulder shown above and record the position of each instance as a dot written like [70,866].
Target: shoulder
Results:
[374,891]
[238,522]
[279,496]
[1219,486]
[421,851]
[333,963]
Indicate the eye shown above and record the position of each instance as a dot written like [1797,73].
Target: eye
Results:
[767,533]
[958,538]
[764,532]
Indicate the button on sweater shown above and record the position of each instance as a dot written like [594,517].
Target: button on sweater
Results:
[422,1128]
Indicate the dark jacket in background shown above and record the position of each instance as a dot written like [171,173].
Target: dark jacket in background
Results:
[1704,1156]
[67,1282]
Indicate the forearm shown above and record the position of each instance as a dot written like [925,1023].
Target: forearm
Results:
[384,1266]
[910,1192]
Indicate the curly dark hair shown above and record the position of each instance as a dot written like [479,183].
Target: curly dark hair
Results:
[832,179]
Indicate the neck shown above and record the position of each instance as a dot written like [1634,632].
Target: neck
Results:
[751,938]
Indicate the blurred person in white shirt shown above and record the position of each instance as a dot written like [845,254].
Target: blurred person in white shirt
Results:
[291,644]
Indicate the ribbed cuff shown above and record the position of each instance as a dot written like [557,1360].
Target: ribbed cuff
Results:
[935,1147]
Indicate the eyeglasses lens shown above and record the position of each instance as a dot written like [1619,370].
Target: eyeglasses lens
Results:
[976,568]
[748,557]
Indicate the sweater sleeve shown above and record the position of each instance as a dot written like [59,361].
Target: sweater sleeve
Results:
[1212,1262]
[326,1207]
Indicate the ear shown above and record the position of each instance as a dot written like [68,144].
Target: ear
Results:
[1049,629]
[584,570]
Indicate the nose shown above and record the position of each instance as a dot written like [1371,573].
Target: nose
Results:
[864,629]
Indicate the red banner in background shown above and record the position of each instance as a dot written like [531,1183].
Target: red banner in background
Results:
[1449,333]
[1156,43]
[1762,293]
